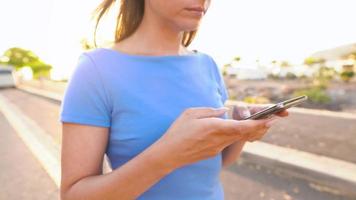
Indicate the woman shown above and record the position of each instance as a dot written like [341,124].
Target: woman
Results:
[154,107]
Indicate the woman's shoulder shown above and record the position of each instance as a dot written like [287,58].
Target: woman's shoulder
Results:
[99,58]
[205,54]
[94,54]
[208,58]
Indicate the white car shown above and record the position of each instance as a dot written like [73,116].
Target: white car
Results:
[7,77]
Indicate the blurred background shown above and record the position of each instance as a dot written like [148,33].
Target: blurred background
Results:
[267,51]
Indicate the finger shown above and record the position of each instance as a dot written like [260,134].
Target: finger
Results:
[272,121]
[258,107]
[205,112]
[257,135]
[283,113]
[240,112]
[246,126]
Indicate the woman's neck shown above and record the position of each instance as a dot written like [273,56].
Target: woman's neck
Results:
[153,37]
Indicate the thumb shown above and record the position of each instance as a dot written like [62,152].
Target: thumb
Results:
[208,112]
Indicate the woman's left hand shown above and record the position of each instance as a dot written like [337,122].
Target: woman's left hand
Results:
[242,111]
[239,112]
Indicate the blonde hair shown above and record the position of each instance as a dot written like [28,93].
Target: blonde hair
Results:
[129,18]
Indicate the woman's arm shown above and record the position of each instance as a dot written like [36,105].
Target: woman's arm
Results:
[232,152]
[83,149]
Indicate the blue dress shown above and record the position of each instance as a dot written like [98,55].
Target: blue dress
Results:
[138,97]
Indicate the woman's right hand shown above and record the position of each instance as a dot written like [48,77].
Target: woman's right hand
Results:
[199,133]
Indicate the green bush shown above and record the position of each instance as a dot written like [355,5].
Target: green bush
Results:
[19,58]
[315,95]
[273,76]
[347,75]
[290,76]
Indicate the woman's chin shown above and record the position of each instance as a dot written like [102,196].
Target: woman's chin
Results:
[192,26]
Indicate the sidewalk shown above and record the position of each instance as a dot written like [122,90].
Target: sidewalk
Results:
[22,175]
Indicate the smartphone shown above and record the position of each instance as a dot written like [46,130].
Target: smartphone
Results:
[265,113]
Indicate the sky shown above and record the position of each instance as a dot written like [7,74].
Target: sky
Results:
[252,29]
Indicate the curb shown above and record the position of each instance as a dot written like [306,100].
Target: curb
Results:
[318,169]
[326,171]
[42,146]
[41,93]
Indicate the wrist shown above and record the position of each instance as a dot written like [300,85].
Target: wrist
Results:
[159,153]
[235,146]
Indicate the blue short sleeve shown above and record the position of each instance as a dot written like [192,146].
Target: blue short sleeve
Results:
[85,101]
[220,80]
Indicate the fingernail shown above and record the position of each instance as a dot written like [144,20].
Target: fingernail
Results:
[270,123]
[245,113]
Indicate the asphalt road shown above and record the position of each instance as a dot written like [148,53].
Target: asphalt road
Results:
[245,181]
